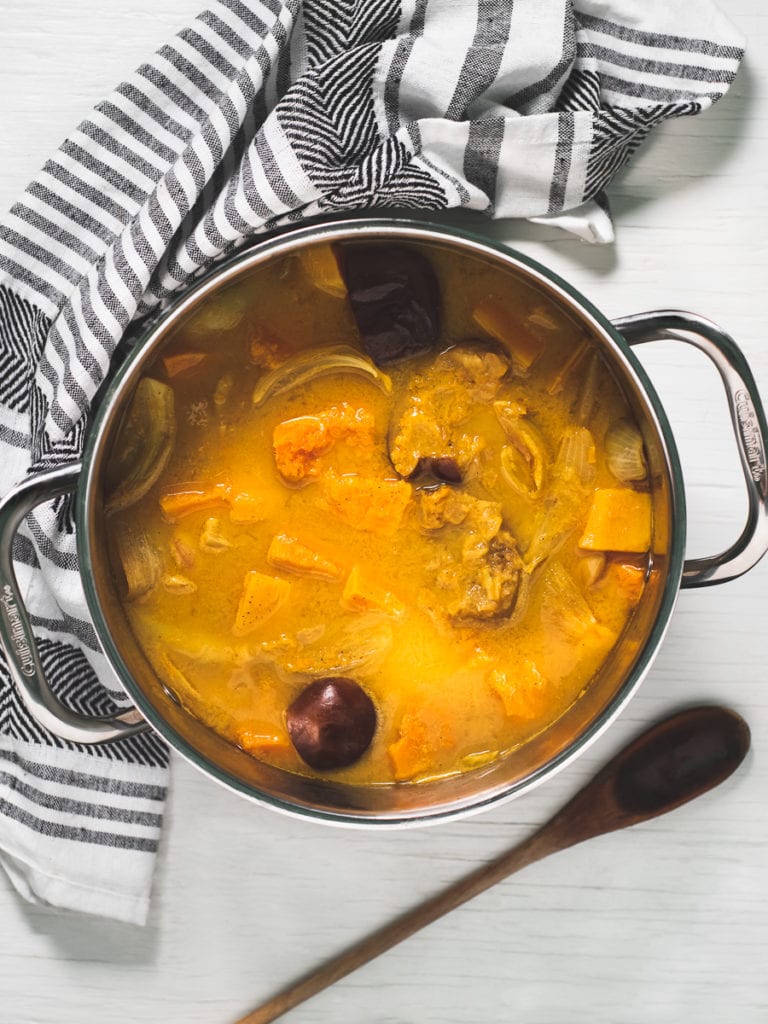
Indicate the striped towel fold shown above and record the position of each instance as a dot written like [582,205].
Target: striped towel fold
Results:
[261,114]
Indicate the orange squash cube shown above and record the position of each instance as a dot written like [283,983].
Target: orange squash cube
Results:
[619,520]
[261,597]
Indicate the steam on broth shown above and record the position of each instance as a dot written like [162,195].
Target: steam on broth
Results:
[379,511]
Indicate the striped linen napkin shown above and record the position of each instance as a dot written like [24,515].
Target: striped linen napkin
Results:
[258,115]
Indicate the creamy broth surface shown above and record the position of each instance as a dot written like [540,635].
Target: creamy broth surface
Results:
[462,531]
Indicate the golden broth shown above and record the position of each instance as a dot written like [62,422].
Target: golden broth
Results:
[270,551]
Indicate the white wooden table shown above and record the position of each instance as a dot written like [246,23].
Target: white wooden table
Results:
[659,925]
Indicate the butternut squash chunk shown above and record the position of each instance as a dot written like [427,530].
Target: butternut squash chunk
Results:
[183,362]
[361,595]
[627,580]
[185,499]
[297,443]
[261,738]
[522,692]
[422,733]
[261,597]
[367,503]
[619,520]
[290,554]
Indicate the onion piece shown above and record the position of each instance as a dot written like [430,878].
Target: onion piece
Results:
[576,457]
[524,459]
[146,440]
[308,366]
[140,562]
[624,452]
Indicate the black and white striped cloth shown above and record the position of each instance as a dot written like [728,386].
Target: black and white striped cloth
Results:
[258,115]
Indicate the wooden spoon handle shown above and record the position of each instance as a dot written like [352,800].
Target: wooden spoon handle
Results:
[401,928]
[672,762]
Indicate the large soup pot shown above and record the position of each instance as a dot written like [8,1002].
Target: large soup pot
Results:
[520,769]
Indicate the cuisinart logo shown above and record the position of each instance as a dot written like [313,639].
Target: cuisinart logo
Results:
[750,431]
[16,632]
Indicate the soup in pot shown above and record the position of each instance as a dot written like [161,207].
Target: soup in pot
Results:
[378,511]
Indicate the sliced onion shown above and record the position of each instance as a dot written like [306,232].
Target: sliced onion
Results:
[524,459]
[146,440]
[308,366]
[624,452]
[576,457]
[139,560]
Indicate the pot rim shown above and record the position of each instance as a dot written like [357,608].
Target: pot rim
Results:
[88,500]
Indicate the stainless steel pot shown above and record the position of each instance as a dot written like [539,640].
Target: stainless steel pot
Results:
[519,770]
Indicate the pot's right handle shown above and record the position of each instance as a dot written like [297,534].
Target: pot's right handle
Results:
[16,637]
[749,425]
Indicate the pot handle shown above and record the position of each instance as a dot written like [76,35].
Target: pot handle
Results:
[749,426]
[16,631]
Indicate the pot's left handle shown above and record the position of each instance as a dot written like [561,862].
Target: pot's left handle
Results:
[749,428]
[16,631]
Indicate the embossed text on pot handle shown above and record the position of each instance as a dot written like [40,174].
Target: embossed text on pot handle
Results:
[16,630]
[749,425]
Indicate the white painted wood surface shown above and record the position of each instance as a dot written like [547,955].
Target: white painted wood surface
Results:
[663,924]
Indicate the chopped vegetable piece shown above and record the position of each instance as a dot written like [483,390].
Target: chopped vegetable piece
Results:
[624,452]
[291,555]
[591,567]
[395,299]
[183,362]
[524,458]
[185,499]
[423,732]
[500,323]
[564,508]
[522,692]
[304,367]
[221,312]
[360,595]
[577,457]
[619,520]
[175,583]
[572,630]
[367,503]
[564,607]
[261,597]
[262,739]
[139,560]
[540,318]
[297,443]
[212,538]
[322,268]
[629,580]
[245,507]
[146,441]
[182,554]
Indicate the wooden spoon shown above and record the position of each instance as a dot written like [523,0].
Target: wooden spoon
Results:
[674,761]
